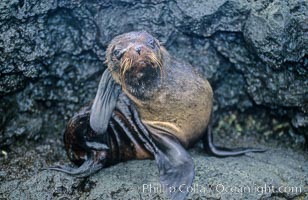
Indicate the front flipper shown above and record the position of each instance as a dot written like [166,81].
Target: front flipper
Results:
[104,103]
[175,165]
[214,150]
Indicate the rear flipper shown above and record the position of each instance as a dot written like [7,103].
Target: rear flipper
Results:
[88,167]
[93,162]
[214,150]
[86,134]
[104,103]
[83,146]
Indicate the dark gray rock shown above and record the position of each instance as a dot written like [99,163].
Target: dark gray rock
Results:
[279,173]
[254,53]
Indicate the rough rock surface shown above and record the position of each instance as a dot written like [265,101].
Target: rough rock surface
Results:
[280,173]
[254,53]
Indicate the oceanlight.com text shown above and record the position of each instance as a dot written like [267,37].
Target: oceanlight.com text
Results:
[222,188]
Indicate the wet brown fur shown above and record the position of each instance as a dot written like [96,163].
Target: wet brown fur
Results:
[182,102]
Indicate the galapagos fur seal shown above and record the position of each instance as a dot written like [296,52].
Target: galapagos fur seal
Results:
[148,105]
[168,93]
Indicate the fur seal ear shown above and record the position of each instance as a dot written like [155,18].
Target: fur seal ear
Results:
[104,103]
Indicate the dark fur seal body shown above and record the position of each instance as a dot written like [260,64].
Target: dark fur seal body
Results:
[148,105]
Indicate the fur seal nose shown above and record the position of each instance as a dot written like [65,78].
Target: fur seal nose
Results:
[138,49]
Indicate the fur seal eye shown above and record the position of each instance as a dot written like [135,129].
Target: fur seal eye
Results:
[118,54]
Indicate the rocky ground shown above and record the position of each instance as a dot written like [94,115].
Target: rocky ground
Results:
[254,53]
[282,170]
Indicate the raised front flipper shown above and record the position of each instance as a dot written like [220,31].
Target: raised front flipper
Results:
[214,150]
[104,103]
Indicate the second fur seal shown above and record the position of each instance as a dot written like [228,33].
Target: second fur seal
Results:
[148,105]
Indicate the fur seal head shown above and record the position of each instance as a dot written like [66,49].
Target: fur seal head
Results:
[136,61]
